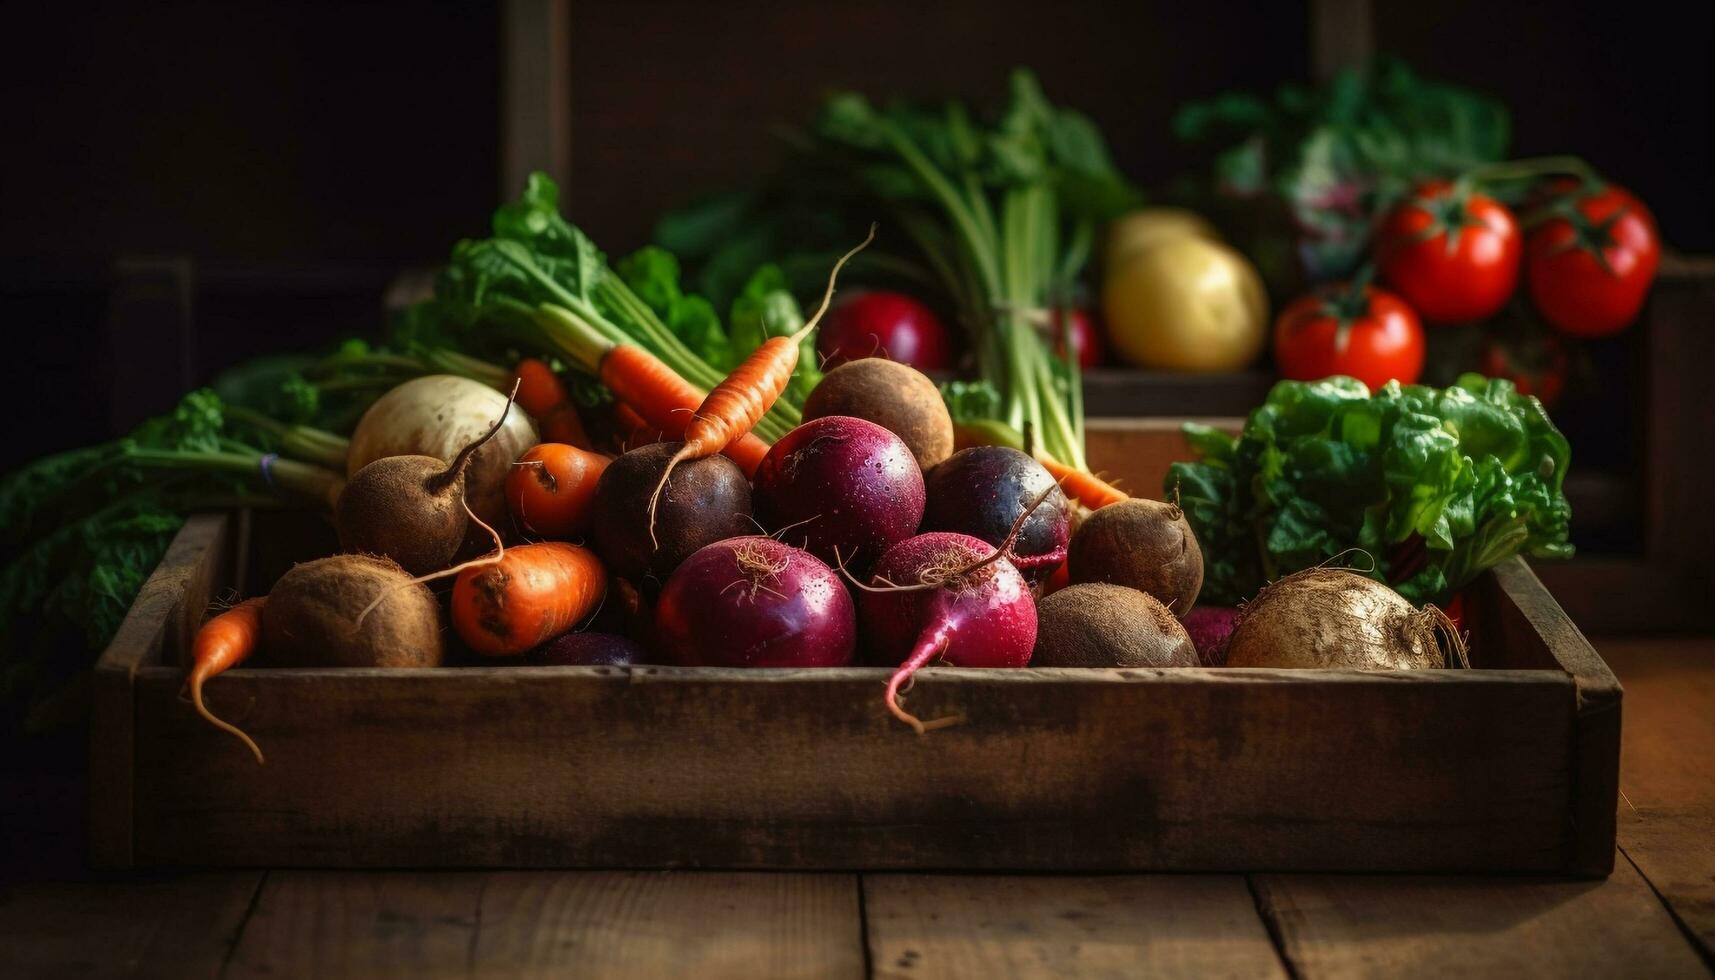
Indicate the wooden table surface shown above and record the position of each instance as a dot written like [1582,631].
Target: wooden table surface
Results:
[1655,917]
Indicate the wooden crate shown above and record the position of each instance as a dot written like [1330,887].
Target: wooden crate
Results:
[1510,767]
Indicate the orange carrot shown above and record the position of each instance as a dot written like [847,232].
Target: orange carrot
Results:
[534,593]
[550,488]
[664,401]
[748,392]
[1091,491]
[632,430]
[544,396]
[223,643]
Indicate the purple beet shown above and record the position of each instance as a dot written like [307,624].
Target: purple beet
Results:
[975,614]
[841,488]
[589,650]
[1210,628]
[982,491]
[755,602]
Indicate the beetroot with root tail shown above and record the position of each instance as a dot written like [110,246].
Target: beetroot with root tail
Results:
[841,488]
[755,602]
[949,598]
[982,491]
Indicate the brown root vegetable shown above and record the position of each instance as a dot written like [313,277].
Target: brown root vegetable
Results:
[411,509]
[1101,625]
[895,396]
[707,500]
[1141,544]
[438,415]
[1329,617]
[312,618]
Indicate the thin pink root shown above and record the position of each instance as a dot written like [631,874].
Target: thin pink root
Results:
[927,649]
[1048,559]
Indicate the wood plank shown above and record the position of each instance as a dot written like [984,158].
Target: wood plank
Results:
[536,99]
[658,924]
[1667,773]
[1183,769]
[1531,617]
[175,926]
[1343,926]
[1104,926]
[335,924]
[1134,453]
[191,567]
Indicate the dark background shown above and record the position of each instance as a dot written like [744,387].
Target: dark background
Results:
[301,154]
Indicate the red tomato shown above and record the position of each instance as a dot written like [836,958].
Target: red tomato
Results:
[1373,336]
[1453,255]
[885,324]
[1086,339]
[1589,265]
[1538,368]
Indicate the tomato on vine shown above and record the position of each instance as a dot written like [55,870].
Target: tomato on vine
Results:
[1590,258]
[1352,329]
[1451,252]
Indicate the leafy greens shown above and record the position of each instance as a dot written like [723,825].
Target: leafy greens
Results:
[1436,485]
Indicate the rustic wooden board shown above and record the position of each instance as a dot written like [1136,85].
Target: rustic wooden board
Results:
[141,927]
[1667,773]
[660,924]
[1042,927]
[338,924]
[1531,619]
[1343,926]
[1134,453]
[1162,769]
[192,567]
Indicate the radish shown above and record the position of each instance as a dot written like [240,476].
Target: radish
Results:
[984,490]
[841,488]
[878,323]
[950,597]
[755,602]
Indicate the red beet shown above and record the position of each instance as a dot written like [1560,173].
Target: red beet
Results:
[589,650]
[1210,628]
[754,602]
[883,324]
[842,489]
[932,597]
[982,491]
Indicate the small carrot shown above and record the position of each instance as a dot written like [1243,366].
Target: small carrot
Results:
[544,396]
[748,392]
[534,593]
[632,430]
[221,644]
[1087,489]
[654,392]
[550,488]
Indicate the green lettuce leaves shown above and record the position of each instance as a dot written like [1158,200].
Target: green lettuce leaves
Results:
[1435,485]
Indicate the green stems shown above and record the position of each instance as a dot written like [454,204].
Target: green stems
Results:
[273,472]
[297,441]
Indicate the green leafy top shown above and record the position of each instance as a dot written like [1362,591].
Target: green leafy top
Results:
[1435,484]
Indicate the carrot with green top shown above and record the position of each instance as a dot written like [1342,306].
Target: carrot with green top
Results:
[744,397]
